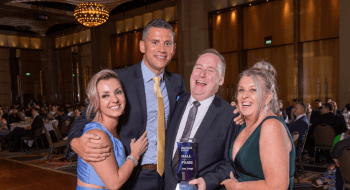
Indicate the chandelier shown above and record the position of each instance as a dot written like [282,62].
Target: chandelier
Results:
[91,14]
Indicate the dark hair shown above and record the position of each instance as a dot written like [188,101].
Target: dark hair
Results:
[328,106]
[328,99]
[157,23]
[5,116]
[295,100]
[318,100]
[60,109]
[36,109]
[303,105]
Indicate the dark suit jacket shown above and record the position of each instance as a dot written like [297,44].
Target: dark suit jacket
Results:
[301,126]
[214,137]
[64,117]
[37,123]
[337,122]
[132,124]
[314,116]
[14,118]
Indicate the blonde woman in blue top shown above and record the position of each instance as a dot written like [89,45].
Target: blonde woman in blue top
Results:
[107,101]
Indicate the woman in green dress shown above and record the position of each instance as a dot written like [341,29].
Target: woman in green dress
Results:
[263,153]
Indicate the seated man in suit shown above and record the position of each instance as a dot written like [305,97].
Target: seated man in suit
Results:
[14,118]
[318,105]
[76,113]
[335,108]
[29,131]
[337,122]
[327,116]
[300,125]
[61,117]
[202,115]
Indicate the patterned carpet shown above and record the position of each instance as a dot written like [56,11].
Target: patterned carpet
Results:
[311,172]
[39,158]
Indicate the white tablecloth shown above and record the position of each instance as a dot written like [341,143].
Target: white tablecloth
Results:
[48,126]
[21,125]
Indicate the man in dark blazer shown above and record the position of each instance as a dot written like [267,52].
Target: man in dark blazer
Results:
[29,131]
[158,47]
[213,127]
[300,125]
[337,122]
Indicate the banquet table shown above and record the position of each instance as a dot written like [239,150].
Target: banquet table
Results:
[47,124]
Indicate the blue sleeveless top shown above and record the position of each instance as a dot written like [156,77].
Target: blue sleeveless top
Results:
[85,171]
[247,162]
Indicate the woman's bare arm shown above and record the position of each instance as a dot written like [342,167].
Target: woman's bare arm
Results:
[112,176]
[275,147]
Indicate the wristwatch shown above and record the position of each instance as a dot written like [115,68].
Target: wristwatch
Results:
[133,159]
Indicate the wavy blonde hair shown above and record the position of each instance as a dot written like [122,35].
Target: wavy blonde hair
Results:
[92,93]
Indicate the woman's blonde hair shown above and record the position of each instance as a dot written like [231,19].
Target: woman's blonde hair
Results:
[92,92]
[267,73]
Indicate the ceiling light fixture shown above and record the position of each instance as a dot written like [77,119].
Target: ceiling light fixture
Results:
[91,14]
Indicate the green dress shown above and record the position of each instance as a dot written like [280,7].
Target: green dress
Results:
[247,162]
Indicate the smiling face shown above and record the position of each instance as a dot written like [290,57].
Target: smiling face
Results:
[111,98]
[247,97]
[205,78]
[158,49]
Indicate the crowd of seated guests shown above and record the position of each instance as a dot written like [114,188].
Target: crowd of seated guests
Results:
[304,121]
[43,112]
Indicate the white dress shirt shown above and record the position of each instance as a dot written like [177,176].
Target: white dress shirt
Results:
[298,117]
[201,112]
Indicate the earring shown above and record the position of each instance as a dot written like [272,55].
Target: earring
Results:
[123,112]
[265,109]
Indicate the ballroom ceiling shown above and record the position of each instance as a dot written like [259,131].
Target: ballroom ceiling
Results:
[19,15]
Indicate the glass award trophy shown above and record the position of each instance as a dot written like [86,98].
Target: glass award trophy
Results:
[187,163]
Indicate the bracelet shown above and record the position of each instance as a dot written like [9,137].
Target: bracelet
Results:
[133,159]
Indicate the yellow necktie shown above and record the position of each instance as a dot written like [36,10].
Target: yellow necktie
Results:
[161,127]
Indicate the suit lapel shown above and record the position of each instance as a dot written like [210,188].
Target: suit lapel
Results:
[175,124]
[208,119]
[171,94]
[141,97]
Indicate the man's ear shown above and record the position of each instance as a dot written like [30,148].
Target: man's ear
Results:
[221,80]
[142,46]
[174,50]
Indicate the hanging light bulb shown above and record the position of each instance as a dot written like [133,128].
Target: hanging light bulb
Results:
[91,14]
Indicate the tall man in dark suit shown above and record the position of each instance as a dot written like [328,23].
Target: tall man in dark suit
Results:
[29,131]
[158,47]
[300,125]
[202,115]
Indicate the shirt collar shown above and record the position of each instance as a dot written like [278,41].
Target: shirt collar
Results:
[204,103]
[299,117]
[147,74]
